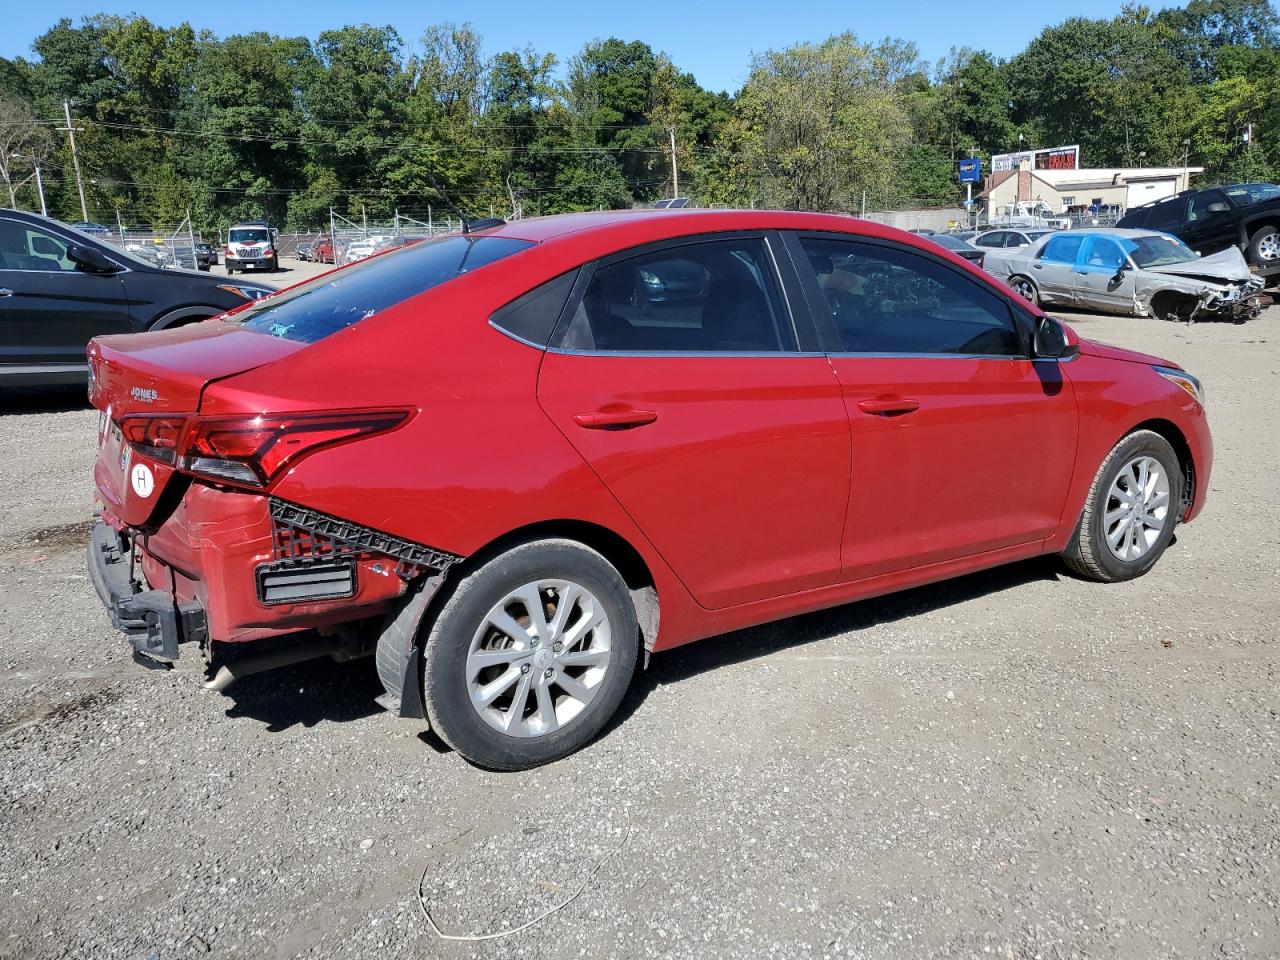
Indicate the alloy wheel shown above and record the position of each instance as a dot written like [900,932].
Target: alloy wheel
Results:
[1269,247]
[1137,508]
[539,657]
[1024,289]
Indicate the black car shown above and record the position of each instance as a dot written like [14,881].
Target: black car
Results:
[206,256]
[957,246]
[60,287]
[1242,215]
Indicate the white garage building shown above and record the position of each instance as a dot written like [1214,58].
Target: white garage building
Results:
[1112,189]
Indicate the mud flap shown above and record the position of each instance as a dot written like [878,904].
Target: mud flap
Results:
[397,644]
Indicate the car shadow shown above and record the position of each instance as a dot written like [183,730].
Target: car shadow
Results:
[52,399]
[740,646]
[306,694]
[322,690]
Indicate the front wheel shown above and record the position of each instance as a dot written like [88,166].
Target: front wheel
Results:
[1264,247]
[530,655]
[1131,511]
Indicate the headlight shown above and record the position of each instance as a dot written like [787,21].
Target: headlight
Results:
[249,293]
[1183,379]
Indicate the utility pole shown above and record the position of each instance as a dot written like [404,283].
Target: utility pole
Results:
[75,160]
[675,172]
[44,211]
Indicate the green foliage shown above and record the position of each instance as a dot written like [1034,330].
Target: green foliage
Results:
[170,119]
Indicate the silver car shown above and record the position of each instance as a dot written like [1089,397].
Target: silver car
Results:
[1010,237]
[1139,272]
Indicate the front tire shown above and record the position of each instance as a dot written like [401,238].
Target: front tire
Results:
[1264,247]
[530,655]
[1132,509]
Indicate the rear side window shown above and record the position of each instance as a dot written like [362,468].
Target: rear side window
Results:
[532,317]
[1165,216]
[709,297]
[1063,249]
[891,301]
[334,302]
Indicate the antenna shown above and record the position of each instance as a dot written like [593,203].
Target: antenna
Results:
[448,202]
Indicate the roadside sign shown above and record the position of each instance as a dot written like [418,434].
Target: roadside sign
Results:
[971,170]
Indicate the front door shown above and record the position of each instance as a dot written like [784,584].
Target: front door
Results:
[49,310]
[1104,278]
[1209,223]
[961,442]
[677,378]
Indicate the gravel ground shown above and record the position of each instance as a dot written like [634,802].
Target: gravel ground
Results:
[1016,764]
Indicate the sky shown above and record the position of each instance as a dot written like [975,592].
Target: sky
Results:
[711,39]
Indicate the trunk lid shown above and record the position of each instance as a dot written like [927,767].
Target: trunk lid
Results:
[158,374]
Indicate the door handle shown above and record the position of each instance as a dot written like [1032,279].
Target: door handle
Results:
[5,292]
[614,419]
[1036,266]
[888,406]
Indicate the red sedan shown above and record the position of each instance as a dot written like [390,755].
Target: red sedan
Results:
[512,462]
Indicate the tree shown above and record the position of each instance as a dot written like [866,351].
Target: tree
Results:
[24,144]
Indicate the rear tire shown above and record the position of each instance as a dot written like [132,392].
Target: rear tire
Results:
[1106,547]
[492,672]
[1026,288]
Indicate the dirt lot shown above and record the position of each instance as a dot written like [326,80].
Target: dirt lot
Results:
[1016,764]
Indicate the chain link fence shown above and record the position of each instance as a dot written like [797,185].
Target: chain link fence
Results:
[171,248]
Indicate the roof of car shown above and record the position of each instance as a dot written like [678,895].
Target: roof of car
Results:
[1127,232]
[684,221]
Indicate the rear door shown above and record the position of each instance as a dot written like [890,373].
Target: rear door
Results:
[1053,269]
[49,310]
[677,374]
[962,444]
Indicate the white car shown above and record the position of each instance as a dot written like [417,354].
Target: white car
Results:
[1008,237]
[1140,272]
[367,247]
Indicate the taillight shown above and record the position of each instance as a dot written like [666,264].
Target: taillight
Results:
[982,261]
[253,450]
[156,436]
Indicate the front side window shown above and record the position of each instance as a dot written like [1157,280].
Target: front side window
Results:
[892,301]
[1105,254]
[335,301]
[28,248]
[715,296]
[1062,249]
[1198,205]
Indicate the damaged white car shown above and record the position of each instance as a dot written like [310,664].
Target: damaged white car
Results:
[1138,272]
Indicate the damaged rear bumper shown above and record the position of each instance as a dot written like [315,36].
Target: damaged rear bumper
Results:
[152,621]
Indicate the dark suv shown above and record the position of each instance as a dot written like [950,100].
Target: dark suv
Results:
[60,287]
[1243,215]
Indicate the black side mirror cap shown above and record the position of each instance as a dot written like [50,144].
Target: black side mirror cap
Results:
[91,259]
[1051,340]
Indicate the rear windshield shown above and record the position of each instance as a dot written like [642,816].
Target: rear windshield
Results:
[333,302]
[255,235]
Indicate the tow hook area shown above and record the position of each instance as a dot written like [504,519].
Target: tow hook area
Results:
[150,619]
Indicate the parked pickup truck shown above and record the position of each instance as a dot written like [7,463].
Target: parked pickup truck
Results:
[1243,215]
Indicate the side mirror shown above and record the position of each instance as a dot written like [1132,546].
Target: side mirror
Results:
[90,259]
[1051,340]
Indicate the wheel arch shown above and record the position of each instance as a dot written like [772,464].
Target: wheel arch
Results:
[184,315]
[1176,439]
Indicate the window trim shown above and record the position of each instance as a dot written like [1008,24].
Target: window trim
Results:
[791,321]
[1023,322]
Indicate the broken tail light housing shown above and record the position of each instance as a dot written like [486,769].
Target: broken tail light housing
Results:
[250,450]
[156,436]
[254,450]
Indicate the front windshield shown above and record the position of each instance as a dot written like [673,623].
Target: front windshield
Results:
[1157,250]
[243,235]
[1245,194]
